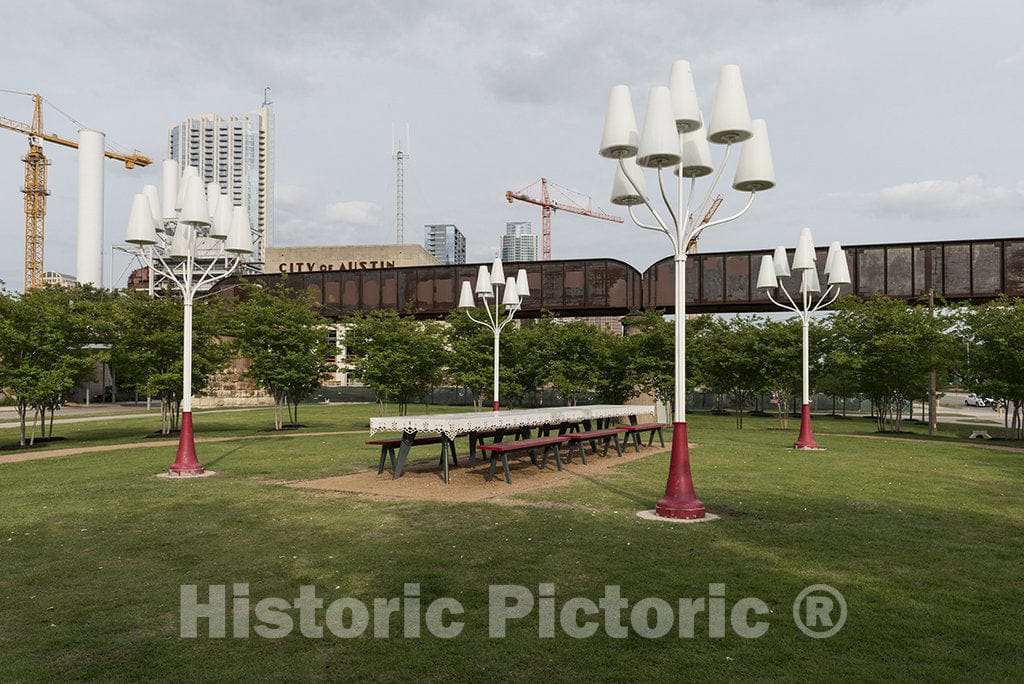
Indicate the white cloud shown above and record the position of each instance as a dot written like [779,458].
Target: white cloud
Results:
[364,214]
[928,199]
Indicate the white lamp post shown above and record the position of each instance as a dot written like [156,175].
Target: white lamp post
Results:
[489,286]
[809,299]
[167,245]
[674,138]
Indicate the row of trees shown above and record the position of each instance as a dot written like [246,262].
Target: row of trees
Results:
[52,338]
[880,350]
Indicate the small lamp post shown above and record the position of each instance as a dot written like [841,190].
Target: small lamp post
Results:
[489,285]
[809,299]
[167,245]
[675,137]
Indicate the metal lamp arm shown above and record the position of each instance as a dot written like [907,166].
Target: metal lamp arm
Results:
[641,224]
[664,196]
[699,229]
[165,270]
[780,304]
[479,322]
[822,303]
[657,217]
[714,182]
[789,297]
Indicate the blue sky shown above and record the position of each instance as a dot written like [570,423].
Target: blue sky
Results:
[889,121]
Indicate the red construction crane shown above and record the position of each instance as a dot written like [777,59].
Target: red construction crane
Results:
[548,205]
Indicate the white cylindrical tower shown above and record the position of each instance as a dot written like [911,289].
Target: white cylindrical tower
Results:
[170,188]
[90,208]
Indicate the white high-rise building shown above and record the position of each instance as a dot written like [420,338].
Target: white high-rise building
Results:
[446,242]
[518,243]
[236,152]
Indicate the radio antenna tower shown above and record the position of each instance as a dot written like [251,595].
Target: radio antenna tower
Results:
[399,156]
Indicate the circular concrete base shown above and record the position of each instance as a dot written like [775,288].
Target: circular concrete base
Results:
[651,515]
[809,449]
[175,476]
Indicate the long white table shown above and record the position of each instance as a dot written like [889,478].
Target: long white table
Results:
[450,425]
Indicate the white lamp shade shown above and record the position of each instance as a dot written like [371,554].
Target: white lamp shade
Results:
[170,188]
[194,207]
[180,243]
[187,173]
[766,277]
[221,226]
[141,229]
[623,192]
[466,296]
[659,143]
[781,262]
[522,283]
[239,239]
[809,282]
[684,97]
[483,281]
[696,155]
[804,256]
[511,297]
[620,136]
[755,171]
[497,272]
[833,248]
[730,118]
[212,196]
[153,198]
[840,274]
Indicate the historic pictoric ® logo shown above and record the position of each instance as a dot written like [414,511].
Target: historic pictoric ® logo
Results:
[819,611]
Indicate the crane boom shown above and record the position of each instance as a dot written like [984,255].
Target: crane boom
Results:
[549,205]
[35,188]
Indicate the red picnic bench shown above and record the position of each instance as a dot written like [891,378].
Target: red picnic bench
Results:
[633,433]
[389,444]
[503,449]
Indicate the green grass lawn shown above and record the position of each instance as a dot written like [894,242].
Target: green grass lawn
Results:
[924,539]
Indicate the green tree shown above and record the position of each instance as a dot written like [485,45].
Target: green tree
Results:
[398,357]
[146,348]
[470,355]
[575,360]
[779,348]
[47,346]
[994,366]
[732,365]
[285,342]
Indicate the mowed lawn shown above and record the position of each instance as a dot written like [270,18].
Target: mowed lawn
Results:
[923,538]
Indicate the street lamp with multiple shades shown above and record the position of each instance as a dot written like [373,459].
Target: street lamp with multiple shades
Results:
[489,285]
[675,137]
[809,299]
[166,242]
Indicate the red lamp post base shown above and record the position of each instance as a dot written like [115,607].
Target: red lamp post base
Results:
[806,438]
[680,500]
[185,463]
[496,406]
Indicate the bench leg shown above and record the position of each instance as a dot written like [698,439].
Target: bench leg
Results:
[636,441]
[532,453]
[444,458]
[504,464]
[403,454]
[650,438]
[660,438]
[494,462]
[554,448]
[618,447]
[383,455]
[607,443]
[472,449]
[455,455]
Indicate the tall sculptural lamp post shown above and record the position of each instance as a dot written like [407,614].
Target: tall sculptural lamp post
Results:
[167,245]
[489,285]
[675,138]
[809,299]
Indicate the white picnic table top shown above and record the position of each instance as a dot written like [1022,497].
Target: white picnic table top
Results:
[451,424]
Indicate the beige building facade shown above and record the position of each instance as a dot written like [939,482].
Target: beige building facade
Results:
[346,258]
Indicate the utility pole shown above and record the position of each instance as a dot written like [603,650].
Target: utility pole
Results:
[932,417]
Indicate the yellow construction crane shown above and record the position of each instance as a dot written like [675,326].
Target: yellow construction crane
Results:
[35,182]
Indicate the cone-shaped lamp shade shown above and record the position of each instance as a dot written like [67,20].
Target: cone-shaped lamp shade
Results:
[696,155]
[497,272]
[809,282]
[141,230]
[239,236]
[195,208]
[153,197]
[730,118]
[187,173]
[840,274]
[766,278]
[619,138]
[659,143]
[804,256]
[212,196]
[623,192]
[483,281]
[781,262]
[180,242]
[511,297]
[221,226]
[755,171]
[684,97]
[833,248]
[466,296]
[522,283]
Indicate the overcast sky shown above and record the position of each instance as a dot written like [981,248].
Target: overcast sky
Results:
[889,121]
